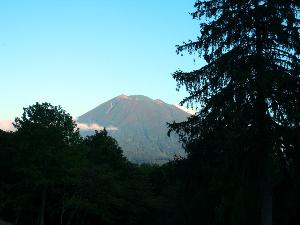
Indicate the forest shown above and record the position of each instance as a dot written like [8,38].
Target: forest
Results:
[242,163]
[51,175]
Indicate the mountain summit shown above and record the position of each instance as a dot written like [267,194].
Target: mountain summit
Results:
[139,124]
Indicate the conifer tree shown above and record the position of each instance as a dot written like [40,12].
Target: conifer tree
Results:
[247,93]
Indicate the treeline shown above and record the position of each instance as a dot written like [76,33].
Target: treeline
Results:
[50,175]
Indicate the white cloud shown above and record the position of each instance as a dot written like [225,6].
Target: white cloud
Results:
[111,128]
[190,111]
[94,126]
[7,125]
[85,126]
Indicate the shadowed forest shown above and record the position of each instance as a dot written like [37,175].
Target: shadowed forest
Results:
[242,163]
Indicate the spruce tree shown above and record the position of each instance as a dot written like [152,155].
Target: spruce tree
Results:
[247,123]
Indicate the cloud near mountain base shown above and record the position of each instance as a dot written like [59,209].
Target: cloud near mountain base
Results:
[95,126]
[7,125]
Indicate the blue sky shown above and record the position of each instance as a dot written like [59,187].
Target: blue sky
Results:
[80,53]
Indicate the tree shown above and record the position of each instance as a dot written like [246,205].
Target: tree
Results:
[104,149]
[110,190]
[247,126]
[51,118]
[7,146]
[45,135]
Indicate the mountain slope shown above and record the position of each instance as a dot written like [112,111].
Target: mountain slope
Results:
[139,125]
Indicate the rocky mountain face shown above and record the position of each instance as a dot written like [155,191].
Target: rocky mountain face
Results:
[139,124]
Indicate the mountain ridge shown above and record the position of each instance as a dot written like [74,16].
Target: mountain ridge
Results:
[140,126]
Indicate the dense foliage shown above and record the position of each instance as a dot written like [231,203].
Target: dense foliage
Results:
[50,175]
[243,144]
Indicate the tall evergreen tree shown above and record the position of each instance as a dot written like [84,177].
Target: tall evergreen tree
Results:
[248,120]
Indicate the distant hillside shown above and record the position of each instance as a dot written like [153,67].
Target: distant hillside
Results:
[138,123]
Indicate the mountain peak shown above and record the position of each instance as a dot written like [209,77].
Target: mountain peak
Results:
[159,101]
[122,96]
[139,97]
[139,124]
[132,97]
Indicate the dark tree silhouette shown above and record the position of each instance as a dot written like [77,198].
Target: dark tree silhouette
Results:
[44,135]
[104,149]
[247,125]
[50,175]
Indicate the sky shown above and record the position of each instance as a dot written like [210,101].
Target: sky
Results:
[81,53]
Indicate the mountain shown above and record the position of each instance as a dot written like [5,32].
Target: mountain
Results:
[138,123]
[188,110]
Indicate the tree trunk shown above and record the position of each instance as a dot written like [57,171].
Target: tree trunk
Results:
[17,219]
[266,204]
[83,219]
[43,206]
[261,122]
[62,212]
[71,216]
